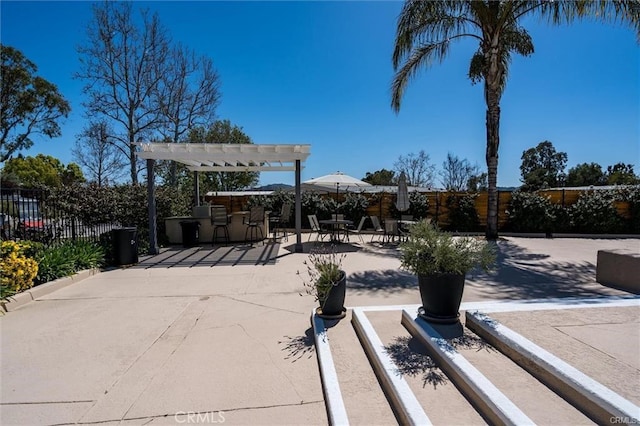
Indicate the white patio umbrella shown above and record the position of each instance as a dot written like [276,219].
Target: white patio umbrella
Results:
[336,180]
[402,201]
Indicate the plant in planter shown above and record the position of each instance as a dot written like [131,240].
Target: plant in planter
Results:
[327,282]
[441,262]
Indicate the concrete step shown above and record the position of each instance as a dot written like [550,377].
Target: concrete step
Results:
[425,374]
[436,395]
[364,402]
[588,395]
[501,390]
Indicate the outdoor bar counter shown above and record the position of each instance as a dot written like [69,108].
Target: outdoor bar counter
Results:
[202,214]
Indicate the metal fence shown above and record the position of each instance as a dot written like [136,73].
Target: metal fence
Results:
[30,214]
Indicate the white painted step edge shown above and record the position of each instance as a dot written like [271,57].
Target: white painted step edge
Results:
[492,403]
[404,401]
[593,398]
[336,410]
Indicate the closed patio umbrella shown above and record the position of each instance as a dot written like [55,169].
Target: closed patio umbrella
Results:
[402,201]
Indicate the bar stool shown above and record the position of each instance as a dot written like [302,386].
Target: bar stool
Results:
[219,220]
[256,220]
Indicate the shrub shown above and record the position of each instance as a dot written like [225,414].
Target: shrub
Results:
[430,251]
[17,270]
[463,215]
[260,200]
[324,270]
[123,205]
[67,258]
[314,203]
[418,208]
[354,206]
[631,195]
[280,197]
[530,212]
[54,262]
[595,212]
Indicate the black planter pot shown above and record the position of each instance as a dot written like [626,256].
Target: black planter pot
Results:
[441,296]
[333,306]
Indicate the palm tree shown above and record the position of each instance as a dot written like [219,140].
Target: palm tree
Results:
[426,30]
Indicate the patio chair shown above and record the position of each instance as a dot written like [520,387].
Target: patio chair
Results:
[377,228]
[219,220]
[281,221]
[403,225]
[255,223]
[315,227]
[358,230]
[390,230]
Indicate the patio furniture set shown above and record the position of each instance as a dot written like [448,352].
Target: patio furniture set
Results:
[338,229]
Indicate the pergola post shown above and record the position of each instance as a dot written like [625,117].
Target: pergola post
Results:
[196,188]
[151,197]
[298,209]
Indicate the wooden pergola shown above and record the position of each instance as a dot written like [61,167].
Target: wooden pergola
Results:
[214,157]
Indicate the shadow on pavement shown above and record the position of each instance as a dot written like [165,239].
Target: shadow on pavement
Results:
[388,280]
[209,256]
[299,346]
[521,274]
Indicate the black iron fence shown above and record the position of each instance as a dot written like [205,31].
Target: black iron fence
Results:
[30,214]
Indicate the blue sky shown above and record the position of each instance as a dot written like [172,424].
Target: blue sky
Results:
[320,72]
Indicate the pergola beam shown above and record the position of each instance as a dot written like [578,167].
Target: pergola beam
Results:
[242,168]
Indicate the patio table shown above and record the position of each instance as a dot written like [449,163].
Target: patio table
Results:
[337,225]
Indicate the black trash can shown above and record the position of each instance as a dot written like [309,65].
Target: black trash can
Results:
[125,246]
[190,233]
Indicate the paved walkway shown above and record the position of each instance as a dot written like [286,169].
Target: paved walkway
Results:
[223,336]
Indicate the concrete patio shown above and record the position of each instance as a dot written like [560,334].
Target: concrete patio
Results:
[222,335]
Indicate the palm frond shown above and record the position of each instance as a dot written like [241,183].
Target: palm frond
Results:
[426,22]
[425,30]
[626,12]
[477,67]
[420,57]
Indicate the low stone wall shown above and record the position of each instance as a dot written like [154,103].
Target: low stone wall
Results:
[619,269]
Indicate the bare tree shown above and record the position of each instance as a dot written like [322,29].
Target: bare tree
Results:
[456,173]
[122,65]
[417,168]
[187,95]
[96,153]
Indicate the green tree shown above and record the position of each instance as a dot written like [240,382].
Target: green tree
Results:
[221,131]
[43,170]
[29,104]
[542,167]
[621,174]
[381,177]
[477,183]
[427,29]
[586,174]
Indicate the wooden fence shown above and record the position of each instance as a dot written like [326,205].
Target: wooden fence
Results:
[380,204]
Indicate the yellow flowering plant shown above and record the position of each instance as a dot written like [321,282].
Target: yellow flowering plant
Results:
[17,270]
